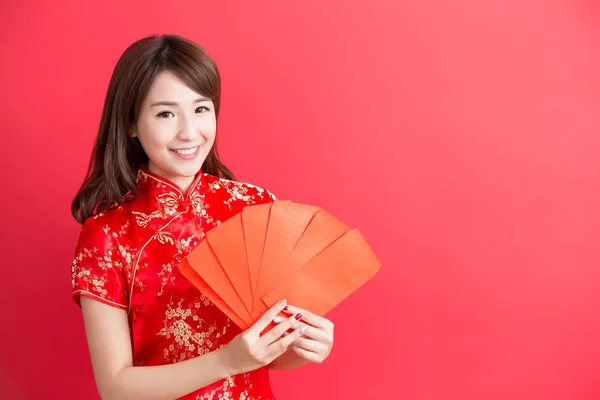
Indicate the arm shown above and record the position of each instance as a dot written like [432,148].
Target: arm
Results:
[107,332]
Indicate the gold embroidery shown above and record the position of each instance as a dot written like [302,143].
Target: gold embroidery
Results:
[96,283]
[127,255]
[169,201]
[187,338]
[186,243]
[165,237]
[167,276]
[205,300]
[184,246]
[143,220]
[239,191]
[186,332]
[224,388]
[162,237]
[208,216]
[123,230]
[225,393]
[196,200]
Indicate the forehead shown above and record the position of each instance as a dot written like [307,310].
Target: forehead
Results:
[168,87]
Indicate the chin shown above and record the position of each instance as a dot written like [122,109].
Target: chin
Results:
[189,170]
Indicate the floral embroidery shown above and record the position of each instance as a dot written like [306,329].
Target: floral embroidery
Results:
[123,229]
[189,332]
[93,272]
[166,275]
[225,394]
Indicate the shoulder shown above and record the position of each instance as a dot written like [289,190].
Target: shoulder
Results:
[233,191]
[101,227]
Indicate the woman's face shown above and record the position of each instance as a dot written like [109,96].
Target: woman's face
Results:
[176,128]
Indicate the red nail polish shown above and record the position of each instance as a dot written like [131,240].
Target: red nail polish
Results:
[285,308]
[298,316]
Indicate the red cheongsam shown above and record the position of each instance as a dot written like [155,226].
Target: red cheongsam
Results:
[127,257]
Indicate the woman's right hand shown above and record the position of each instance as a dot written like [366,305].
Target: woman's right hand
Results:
[249,350]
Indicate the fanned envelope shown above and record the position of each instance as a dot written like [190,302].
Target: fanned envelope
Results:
[279,250]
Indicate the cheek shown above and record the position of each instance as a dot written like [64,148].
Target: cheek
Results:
[209,130]
[151,136]
[210,136]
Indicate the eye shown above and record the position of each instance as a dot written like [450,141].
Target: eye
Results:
[164,114]
[203,109]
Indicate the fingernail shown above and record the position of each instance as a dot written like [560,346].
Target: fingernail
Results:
[303,329]
[278,320]
[298,316]
[285,308]
[282,303]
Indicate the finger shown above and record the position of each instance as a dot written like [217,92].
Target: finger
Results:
[280,346]
[275,333]
[311,332]
[311,318]
[307,355]
[266,318]
[310,345]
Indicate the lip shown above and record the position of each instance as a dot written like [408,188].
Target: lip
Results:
[187,156]
[186,148]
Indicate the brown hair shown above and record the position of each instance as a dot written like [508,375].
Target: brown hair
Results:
[117,156]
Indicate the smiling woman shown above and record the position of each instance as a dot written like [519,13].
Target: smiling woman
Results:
[155,186]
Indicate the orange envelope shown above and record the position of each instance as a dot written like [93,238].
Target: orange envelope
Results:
[323,230]
[229,246]
[287,223]
[279,250]
[254,224]
[203,260]
[194,278]
[330,277]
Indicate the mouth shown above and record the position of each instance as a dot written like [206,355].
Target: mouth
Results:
[186,151]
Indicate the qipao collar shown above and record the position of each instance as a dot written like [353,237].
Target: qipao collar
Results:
[169,195]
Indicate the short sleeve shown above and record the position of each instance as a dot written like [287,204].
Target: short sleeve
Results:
[271,195]
[97,269]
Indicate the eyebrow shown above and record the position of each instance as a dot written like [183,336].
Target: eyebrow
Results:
[175,104]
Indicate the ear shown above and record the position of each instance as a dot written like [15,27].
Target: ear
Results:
[133,132]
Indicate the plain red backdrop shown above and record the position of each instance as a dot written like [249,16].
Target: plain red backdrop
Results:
[461,138]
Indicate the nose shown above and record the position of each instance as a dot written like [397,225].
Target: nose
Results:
[186,129]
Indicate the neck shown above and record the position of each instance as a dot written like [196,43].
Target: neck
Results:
[184,184]
[181,182]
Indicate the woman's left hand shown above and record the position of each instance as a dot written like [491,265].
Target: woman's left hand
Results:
[317,340]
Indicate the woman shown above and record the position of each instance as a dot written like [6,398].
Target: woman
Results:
[154,187]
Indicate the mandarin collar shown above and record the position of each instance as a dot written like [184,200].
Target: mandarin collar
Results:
[150,184]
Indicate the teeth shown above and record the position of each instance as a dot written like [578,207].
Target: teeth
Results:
[187,152]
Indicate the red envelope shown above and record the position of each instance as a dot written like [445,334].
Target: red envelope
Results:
[287,223]
[320,233]
[254,223]
[234,263]
[198,282]
[204,262]
[330,277]
[281,250]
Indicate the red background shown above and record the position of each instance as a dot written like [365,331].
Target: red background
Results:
[461,138]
